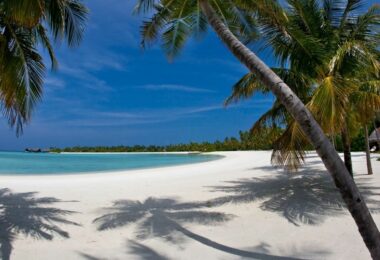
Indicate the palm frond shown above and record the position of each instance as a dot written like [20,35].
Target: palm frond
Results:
[66,19]
[174,22]
[27,68]
[289,149]
[366,26]
[24,28]
[308,16]
[245,88]
[366,100]
[75,15]
[144,6]
[276,116]
[174,37]
[42,37]
[249,84]
[351,6]
[198,21]
[26,13]
[329,102]
[151,28]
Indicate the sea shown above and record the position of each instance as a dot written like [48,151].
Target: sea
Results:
[22,163]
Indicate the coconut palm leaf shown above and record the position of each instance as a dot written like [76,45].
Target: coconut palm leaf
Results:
[75,16]
[22,69]
[27,70]
[26,13]
[245,88]
[330,101]
[143,6]
[276,116]
[66,19]
[289,149]
[43,38]
[366,100]
[249,84]
[346,17]
[150,29]
[175,21]
[366,25]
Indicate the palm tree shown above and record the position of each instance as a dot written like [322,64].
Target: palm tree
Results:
[332,73]
[176,20]
[24,25]
[366,101]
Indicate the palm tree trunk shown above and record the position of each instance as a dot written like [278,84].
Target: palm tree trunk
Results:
[367,152]
[310,127]
[347,150]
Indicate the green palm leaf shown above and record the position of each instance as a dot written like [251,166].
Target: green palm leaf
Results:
[21,66]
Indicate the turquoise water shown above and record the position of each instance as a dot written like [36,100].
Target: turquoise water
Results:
[20,163]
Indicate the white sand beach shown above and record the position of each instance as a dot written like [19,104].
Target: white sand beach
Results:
[232,208]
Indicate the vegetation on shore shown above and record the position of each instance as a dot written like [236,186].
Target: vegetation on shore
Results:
[246,141]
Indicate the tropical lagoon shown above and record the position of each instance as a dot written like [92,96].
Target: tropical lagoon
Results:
[21,163]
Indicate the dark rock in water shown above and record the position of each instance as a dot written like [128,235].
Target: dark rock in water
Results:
[36,150]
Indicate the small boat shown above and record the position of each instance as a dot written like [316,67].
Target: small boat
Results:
[36,150]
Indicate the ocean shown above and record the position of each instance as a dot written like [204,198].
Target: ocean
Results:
[21,163]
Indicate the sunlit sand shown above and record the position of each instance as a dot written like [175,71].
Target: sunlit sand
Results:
[231,208]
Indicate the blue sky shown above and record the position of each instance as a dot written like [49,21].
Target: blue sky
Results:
[110,92]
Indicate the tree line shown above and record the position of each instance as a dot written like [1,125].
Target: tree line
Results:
[245,142]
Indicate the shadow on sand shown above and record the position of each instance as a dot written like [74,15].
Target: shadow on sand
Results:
[306,197]
[144,252]
[135,248]
[23,213]
[165,218]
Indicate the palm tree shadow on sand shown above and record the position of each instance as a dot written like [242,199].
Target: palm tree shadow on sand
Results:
[306,197]
[135,248]
[165,218]
[23,213]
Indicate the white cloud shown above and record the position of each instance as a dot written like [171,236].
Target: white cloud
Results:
[87,79]
[175,87]
[54,83]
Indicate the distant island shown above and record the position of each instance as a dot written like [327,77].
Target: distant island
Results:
[246,141]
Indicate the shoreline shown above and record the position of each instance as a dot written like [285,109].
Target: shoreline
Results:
[115,172]
[223,209]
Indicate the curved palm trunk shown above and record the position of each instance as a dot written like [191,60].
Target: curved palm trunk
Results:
[367,152]
[310,127]
[347,150]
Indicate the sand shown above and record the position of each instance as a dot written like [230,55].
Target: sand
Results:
[232,208]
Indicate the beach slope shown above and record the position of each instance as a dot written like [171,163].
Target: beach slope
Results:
[232,208]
